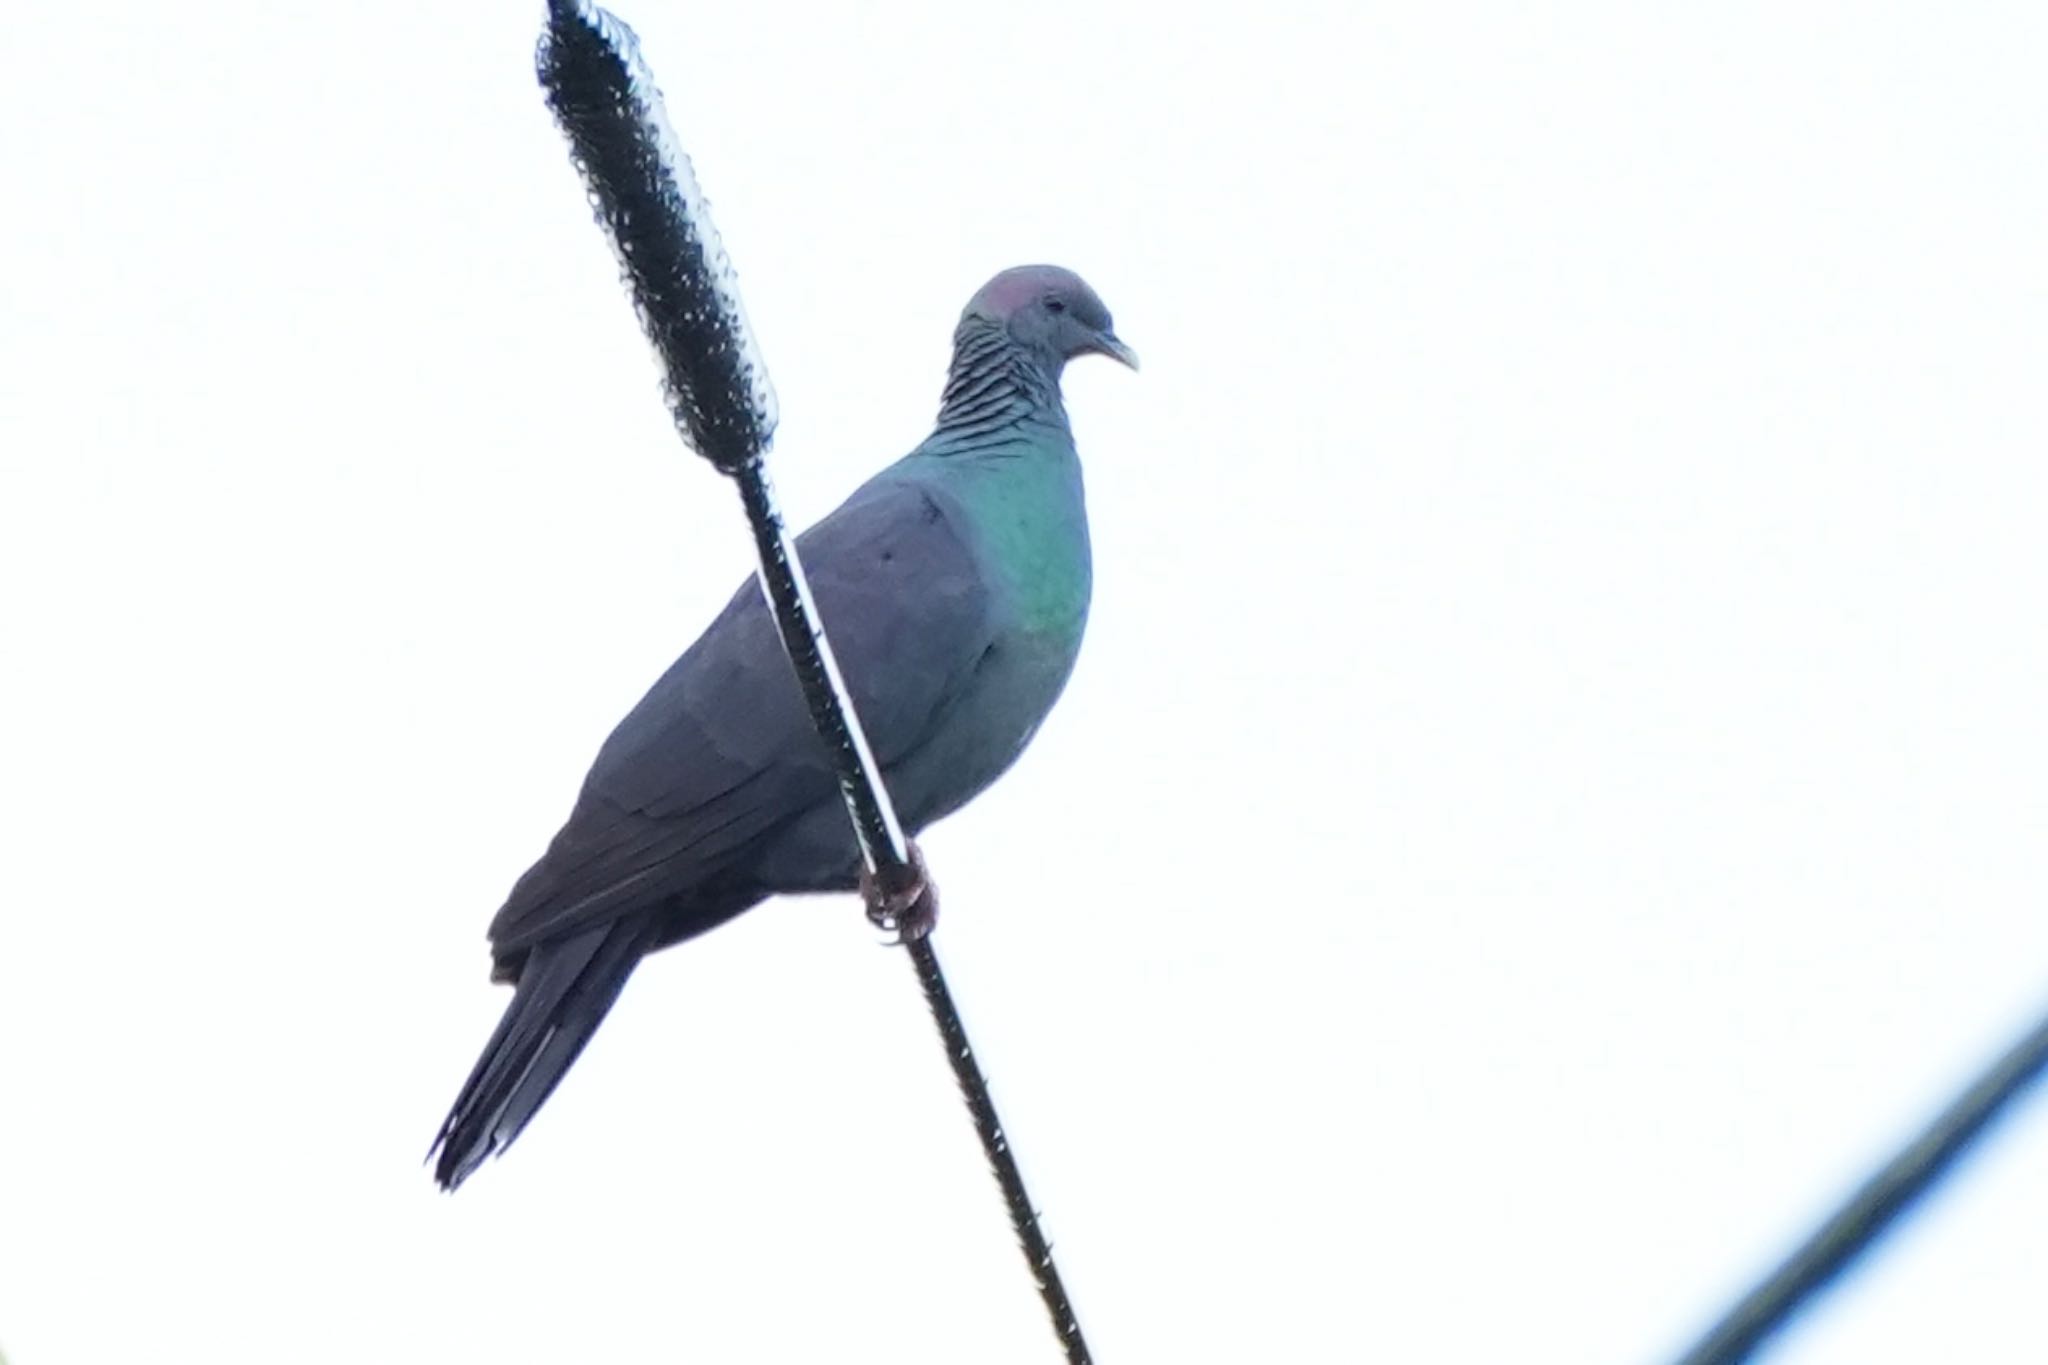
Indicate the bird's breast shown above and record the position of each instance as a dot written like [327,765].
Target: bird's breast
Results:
[1030,523]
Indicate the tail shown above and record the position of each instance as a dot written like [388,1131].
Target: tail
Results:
[563,993]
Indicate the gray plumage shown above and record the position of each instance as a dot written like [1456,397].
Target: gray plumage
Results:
[954,586]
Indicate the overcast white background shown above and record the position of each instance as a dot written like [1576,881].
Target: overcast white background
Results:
[1553,791]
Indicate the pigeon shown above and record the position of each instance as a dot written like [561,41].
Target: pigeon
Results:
[954,587]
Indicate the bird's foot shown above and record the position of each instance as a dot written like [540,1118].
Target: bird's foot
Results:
[901,901]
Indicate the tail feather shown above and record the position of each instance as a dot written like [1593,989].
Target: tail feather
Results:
[564,991]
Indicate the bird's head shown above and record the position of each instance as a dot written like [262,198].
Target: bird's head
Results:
[1052,311]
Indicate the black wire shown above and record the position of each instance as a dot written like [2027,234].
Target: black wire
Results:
[1874,1207]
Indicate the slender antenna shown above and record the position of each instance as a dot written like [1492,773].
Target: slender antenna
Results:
[646,198]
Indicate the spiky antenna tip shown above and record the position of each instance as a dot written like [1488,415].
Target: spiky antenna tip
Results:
[646,198]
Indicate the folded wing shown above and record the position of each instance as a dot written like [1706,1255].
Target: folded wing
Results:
[720,754]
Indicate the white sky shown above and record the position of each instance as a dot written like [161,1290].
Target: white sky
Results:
[1554,789]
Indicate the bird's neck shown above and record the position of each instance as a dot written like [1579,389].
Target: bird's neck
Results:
[994,388]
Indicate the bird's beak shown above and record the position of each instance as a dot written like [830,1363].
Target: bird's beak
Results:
[1109,344]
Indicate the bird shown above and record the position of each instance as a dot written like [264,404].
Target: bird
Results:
[954,587]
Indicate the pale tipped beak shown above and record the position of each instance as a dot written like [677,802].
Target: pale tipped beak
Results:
[1108,343]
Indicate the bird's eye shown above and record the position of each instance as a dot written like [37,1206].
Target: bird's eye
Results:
[1055,305]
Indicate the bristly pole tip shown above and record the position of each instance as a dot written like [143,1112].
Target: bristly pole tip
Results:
[646,198]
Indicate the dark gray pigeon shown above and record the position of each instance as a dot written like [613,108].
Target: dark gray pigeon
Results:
[954,586]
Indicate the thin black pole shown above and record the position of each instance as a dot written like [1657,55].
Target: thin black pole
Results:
[882,845]
[996,1147]
[604,97]
[874,821]
[1874,1207]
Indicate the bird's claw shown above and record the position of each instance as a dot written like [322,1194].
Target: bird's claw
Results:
[901,901]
